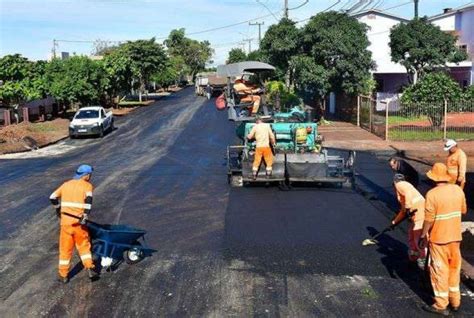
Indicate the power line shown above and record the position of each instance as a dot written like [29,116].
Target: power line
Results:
[268,9]
[259,24]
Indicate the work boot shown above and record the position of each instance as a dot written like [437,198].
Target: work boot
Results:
[63,280]
[434,310]
[254,176]
[455,309]
[93,275]
[268,174]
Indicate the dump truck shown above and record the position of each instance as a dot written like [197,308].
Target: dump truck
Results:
[209,84]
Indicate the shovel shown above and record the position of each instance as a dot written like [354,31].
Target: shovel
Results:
[373,239]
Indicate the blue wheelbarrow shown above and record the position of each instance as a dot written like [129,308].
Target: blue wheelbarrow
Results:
[113,243]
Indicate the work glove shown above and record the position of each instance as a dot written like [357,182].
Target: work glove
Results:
[411,213]
[392,225]
[83,219]
[422,243]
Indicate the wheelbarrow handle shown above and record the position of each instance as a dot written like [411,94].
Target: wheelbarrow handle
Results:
[78,218]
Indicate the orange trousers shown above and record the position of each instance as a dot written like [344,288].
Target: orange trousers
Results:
[255,99]
[445,273]
[69,236]
[266,153]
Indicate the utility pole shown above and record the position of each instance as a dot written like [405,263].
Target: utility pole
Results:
[259,24]
[416,8]
[55,44]
[286,9]
[250,43]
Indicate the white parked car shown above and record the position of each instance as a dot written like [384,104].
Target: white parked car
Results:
[93,120]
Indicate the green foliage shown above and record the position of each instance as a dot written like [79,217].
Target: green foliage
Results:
[421,46]
[23,80]
[338,43]
[236,55]
[428,95]
[311,80]
[277,89]
[76,80]
[255,56]
[468,93]
[194,54]
[169,74]
[280,43]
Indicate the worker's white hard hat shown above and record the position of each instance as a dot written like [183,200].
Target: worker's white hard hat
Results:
[450,143]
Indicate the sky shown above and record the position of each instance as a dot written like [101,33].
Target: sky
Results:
[28,27]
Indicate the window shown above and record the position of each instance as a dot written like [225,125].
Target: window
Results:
[463,48]
[86,114]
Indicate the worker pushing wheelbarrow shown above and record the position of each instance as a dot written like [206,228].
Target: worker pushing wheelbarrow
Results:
[113,242]
[73,202]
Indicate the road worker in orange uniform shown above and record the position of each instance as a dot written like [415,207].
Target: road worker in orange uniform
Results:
[249,94]
[263,134]
[456,162]
[412,206]
[74,197]
[444,206]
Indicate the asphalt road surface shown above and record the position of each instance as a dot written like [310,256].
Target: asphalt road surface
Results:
[220,251]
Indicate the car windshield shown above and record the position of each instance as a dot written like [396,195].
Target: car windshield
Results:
[83,114]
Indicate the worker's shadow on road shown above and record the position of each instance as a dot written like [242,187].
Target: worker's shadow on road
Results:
[396,262]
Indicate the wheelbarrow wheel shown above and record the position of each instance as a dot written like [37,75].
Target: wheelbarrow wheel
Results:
[133,255]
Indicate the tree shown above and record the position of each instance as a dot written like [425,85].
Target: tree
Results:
[339,43]
[236,55]
[23,80]
[169,75]
[280,43]
[195,54]
[255,56]
[311,80]
[422,47]
[428,95]
[76,80]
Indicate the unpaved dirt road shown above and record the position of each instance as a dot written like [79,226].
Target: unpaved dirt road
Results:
[220,251]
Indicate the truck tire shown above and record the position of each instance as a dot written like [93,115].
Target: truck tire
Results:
[101,131]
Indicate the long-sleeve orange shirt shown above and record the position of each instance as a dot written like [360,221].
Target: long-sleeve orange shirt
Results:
[444,206]
[457,163]
[409,198]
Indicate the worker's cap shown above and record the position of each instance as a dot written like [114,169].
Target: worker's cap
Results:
[398,177]
[439,173]
[450,143]
[83,170]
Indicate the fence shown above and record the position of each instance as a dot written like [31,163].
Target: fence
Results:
[392,120]
[37,110]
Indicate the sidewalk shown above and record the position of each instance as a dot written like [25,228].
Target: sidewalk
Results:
[374,181]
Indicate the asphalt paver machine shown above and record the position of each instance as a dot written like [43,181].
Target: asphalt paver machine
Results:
[298,156]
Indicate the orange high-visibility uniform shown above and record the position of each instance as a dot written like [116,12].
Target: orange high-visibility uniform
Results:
[411,199]
[457,164]
[444,206]
[247,90]
[263,135]
[73,196]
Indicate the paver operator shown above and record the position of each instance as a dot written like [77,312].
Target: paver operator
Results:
[74,197]
[456,162]
[263,134]
[249,94]
[412,205]
[445,204]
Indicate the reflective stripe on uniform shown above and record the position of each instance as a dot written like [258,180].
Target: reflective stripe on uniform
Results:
[448,216]
[86,256]
[454,289]
[76,205]
[440,294]
[89,194]
[64,262]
